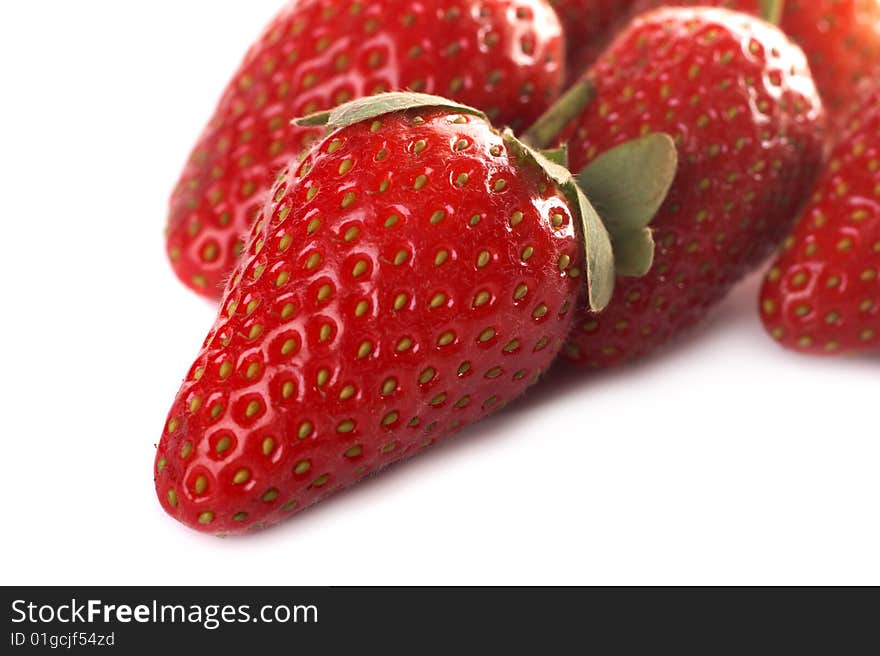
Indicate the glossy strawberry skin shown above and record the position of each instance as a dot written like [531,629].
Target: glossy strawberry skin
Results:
[841,39]
[502,56]
[407,279]
[822,295]
[589,25]
[746,161]
[842,42]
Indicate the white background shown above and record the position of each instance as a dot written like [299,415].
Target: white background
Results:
[725,460]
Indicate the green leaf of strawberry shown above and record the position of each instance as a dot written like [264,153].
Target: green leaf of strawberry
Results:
[628,184]
[371,107]
[822,294]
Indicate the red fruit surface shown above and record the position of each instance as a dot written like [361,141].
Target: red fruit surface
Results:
[408,278]
[502,56]
[822,296]
[738,99]
[841,39]
[589,26]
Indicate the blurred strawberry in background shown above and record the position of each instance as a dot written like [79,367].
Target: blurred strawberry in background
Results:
[589,26]
[737,96]
[822,296]
[502,56]
[841,39]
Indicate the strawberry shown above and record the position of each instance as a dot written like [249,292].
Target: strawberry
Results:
[504,56]
[841,39]
[415,272]
[747,124]
[822,295]
[588,25]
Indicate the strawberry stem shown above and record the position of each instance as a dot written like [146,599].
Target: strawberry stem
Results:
[545,130]
[771,10]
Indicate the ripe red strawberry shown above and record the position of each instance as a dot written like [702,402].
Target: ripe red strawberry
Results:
[412,274]
[841,39]
[589,25]
[738,98]
[503,56]
[822,295]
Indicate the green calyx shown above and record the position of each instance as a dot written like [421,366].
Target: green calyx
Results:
[627,185]
[364,109]
[771,10]
[557,155]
